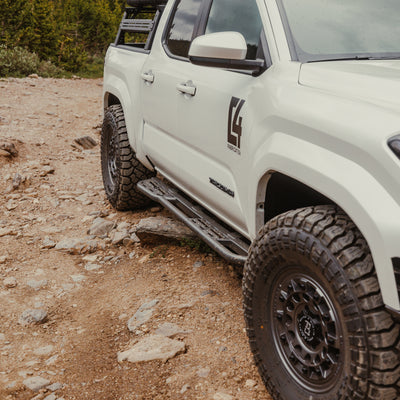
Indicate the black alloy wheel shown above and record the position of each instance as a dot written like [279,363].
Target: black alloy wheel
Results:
[316,321]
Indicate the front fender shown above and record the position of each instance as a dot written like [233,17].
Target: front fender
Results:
[346,183]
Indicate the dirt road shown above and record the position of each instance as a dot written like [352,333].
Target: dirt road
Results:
[66,298]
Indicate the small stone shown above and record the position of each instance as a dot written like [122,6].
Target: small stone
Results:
[185,388]
[48,243]
[43,351]
[51,396]
[198,264]
[156,227]
[3,259]
[250,383]
[51,360]
[222,396]
[7,232]
[118,237]
[203,372]
[47,170]
[9,148]
[36,383]
[78,278]
[170,330]
[55,386]
[11,385]
[10,282]
[67,287]
[11,205]
[17,181]
[153,347]
[101,227]
[91,258]
[33,317]
[142,315]
[92,267]
[37,285]
[77,246]
[123,226]
[34,76]
[86,142]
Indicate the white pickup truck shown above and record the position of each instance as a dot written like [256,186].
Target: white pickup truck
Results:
[272,129]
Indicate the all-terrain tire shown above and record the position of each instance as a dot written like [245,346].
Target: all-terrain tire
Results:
[120,168]
[315,318]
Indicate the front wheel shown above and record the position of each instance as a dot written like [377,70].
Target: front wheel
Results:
[314,313]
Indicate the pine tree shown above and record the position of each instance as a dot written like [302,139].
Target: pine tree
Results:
[44,36]
[13,25]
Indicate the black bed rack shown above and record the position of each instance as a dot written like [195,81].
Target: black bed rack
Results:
[132,24]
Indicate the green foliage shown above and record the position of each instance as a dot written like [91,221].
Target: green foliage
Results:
[68,33]
[196,244]
[19,62]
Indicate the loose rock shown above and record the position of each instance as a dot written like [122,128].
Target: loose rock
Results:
[18,180]
[119,236]
[7,232]
[37,285]
[92,267]
[250,383]
[8,149]
[222,396]
[55,386]
[170,330]
[33,317]
[203,372]
[36,383]
[153,348]
[101,227]
[42,351]
[48,243]
[77,246]
[148,229]
[47,170]
[10,282]
[142,315]
[86,142]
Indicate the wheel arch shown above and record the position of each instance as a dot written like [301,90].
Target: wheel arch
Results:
[110,100]
[296,180]
[116,92]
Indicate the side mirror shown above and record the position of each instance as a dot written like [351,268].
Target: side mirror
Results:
[223,50]
[223,45]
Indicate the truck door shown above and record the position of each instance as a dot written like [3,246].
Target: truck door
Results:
[206,149]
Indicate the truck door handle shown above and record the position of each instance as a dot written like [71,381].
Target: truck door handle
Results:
[187,88]
[148,77]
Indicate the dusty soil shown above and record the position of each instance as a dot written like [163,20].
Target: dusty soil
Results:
[58,195]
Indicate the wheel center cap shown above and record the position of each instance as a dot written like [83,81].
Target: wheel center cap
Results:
[307,328]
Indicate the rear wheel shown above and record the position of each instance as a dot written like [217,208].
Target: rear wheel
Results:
[120,168]
[315,317]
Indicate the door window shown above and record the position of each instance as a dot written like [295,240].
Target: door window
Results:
[180,33]
[240,16]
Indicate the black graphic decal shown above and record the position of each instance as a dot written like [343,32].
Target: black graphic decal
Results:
[235,124]
[220,186]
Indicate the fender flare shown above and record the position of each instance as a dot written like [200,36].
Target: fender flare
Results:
[346,183]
